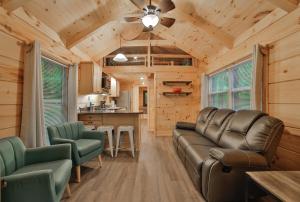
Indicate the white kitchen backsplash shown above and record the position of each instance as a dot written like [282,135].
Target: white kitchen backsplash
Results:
[84,100]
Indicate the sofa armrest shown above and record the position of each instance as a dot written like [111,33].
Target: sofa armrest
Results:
[49,153]
[19,187]
[238,158]
[185,125]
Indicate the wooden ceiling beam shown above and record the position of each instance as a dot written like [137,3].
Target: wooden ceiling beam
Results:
[25,28]
[204,25]
[268,20]
[11,5]
[133,43]
[284,4]
[115,13]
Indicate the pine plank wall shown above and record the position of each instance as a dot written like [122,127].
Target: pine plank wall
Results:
[11,84]
[284,96]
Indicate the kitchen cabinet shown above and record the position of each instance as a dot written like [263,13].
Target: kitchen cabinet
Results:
[89,78]
[114,87]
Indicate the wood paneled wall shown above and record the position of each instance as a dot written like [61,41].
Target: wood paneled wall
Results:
[284,97]
[170,109]
[11,84]
[283,86]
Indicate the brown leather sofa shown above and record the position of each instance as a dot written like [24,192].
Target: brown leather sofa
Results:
[223,144]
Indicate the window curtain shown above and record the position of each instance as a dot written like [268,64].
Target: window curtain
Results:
[257,79]
[204,91]
[72,92]
[33,124]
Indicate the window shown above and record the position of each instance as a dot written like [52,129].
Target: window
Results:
[54,88]
[231,88]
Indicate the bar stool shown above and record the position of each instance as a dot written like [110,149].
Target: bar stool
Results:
[130,130]
[109,131]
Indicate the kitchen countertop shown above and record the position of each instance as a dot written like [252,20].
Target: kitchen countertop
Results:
[110,112]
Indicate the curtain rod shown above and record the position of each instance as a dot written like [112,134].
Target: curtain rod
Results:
[52,60]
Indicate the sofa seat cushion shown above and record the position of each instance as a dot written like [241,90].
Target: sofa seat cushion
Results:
[61,171]
[86,146]
[179,132]
[194,139]
[195,156]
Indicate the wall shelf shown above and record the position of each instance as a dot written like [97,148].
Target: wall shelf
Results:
[176,83]
[176,94]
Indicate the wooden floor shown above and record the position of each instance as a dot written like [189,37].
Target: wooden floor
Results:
[155,175]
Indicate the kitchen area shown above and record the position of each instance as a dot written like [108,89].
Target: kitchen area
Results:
[105,100]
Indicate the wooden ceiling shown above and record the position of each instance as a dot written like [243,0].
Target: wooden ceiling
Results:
[92,29]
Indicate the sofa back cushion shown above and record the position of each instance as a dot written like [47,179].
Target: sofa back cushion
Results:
[65,131]
[217,124]
[264,136]
[12,152]
[203,119]
[237,129]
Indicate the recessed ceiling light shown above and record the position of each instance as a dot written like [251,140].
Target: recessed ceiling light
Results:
[135,57]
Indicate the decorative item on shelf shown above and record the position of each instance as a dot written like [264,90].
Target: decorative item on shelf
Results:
[177,90]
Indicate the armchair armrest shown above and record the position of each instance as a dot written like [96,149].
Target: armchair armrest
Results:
[49,153]
[185,125]
[238,158]
[20,186]
[73,147]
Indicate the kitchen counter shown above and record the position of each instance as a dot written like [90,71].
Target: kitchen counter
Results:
[114,118]
[111,112]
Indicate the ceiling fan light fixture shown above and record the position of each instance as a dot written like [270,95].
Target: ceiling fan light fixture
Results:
[150,20]
[120,57]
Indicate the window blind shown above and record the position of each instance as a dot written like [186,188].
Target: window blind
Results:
[53,75]
[231,88]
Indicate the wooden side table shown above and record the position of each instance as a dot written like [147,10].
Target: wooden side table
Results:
[282,185]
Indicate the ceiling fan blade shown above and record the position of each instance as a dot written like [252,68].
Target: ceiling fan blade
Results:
[167,22]
[139,3]
[131,19]
[166,5]
[147,29]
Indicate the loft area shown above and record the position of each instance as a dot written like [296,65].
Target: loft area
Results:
[142,101]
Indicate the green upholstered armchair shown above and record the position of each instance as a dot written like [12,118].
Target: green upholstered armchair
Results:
[86,145]
[33,175]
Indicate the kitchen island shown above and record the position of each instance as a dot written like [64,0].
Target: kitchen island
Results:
[115,118]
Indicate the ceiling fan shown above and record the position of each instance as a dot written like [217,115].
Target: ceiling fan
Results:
[151,14]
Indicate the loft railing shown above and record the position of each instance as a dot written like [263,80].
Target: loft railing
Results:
[155,60]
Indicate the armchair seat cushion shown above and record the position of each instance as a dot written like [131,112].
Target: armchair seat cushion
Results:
[86,146]
[61,171]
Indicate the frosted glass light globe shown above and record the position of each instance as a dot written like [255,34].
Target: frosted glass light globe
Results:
[120,57]
[150,20]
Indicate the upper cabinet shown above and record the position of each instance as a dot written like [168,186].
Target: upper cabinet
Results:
[114,87]
[89,78]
